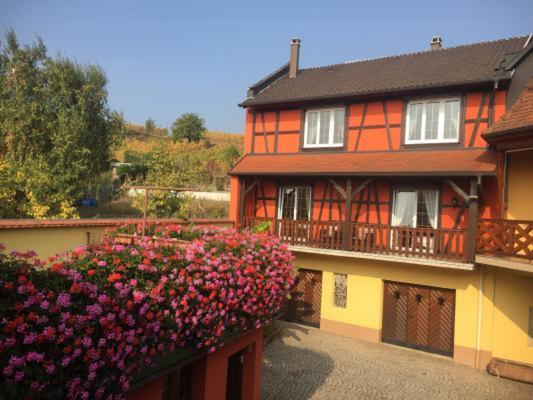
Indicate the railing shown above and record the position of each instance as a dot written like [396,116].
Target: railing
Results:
[448,244]
[503,237]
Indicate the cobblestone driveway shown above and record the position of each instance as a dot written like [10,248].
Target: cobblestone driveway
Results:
[306,363]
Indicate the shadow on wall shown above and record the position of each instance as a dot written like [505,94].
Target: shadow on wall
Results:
[290,372]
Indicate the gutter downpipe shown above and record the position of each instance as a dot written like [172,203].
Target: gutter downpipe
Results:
[479,315]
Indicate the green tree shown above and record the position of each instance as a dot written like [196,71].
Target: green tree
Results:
[189,127]
[58,132]
[149,126]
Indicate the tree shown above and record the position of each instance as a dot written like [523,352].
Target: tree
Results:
[149,126]
[58,132]
[190,127]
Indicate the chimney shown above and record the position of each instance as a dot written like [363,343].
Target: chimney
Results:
[295,57]
[436,42]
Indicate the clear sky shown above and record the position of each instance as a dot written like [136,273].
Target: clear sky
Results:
[164,58]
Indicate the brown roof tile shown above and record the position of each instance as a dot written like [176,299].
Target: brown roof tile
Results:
[409,163]
[518,118]
[474,63]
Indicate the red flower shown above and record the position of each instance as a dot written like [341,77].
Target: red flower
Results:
[90,272]
[114,277]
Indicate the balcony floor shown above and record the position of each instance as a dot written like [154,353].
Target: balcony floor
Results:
[384,257]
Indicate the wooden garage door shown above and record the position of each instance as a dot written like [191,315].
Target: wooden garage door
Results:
[419,316]
[304,305]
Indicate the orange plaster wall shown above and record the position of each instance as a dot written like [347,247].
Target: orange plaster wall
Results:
[217,366]
[371,139]
[234,198]
[151,391]
[248,132]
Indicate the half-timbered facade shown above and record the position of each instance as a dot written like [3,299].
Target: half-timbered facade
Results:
[376,173]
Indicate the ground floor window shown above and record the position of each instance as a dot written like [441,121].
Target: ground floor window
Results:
[340,290]
[295,203]
[415,208]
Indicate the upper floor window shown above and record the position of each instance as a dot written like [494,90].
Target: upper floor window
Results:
[324,128]
[432,121]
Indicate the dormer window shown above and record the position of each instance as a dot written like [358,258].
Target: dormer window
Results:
[432,121]
[324,127]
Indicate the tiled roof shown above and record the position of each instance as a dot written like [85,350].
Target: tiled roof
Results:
[518,118]
[408,163]
[474,63]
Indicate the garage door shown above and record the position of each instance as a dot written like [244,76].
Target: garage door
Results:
[419,316]
[304,305]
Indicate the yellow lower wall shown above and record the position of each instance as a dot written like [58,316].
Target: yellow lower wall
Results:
[47,241]
[519,187]
[505,303]
[365,293]
[512,298]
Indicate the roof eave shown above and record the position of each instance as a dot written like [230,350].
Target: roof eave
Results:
[392,92]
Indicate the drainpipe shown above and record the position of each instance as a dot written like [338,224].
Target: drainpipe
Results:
[479,314]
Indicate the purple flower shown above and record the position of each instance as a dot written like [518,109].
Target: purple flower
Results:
[63,300]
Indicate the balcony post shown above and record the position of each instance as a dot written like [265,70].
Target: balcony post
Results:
[472,222]
[347,234]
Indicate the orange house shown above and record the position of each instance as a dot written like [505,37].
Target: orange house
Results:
[376,173]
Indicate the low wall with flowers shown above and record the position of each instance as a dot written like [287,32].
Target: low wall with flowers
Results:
[83,326]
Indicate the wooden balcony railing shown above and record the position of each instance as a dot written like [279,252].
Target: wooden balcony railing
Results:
[503,237]
[448,244]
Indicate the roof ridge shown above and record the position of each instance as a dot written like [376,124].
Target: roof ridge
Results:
[416,52]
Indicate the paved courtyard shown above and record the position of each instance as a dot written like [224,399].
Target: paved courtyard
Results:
[306,363]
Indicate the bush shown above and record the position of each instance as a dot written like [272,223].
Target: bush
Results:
[82,326]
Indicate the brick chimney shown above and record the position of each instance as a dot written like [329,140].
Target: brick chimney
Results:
[295,57]
[436,42]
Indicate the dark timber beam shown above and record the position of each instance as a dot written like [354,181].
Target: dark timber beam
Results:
[348,218]
[339,189]
[457,189]
[472,222]
[361,187]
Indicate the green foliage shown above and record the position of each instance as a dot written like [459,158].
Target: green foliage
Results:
[58,132]
[135,168]
[149,126]
[261,227]
[189,127]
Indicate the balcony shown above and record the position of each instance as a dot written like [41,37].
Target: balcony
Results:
[387,240]
[505,243]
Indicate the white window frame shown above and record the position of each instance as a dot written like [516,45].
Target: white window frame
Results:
[440,131]
[295,209]
[331,128]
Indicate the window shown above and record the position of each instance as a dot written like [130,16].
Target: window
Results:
[324,128]
[340,290]
[178,384]
[415,208]
[295,203]
[432,121]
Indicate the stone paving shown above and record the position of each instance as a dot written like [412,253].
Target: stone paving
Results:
[306,363]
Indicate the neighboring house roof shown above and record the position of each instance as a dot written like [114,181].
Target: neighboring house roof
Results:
[460,65]
[450,162]
[518,118]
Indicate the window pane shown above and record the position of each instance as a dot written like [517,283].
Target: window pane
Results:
[304,202]
[415,121]
[338,128]
[324,127]
[432,120]
[287,203]
[340,291]
[426,210]
[451,119]
[312,121]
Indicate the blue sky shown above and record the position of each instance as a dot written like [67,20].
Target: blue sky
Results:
[164,58]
